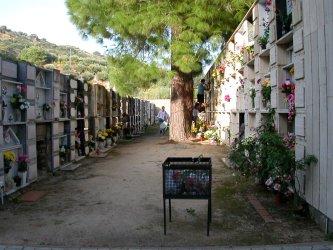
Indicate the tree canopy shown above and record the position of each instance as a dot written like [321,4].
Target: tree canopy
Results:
[160,31]
[35,55]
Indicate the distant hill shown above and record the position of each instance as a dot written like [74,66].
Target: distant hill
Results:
[66,58]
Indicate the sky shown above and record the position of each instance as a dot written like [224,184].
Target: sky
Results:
[47,19]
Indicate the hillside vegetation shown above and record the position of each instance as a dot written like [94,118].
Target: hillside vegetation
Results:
[66,58]
[19,46]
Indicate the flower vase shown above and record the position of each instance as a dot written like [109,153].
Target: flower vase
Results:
[253,103]
[108,142]
[283,30]
[18,115]
[286,105]
[264,103]
[3,113]
[44,114]
[64,114]
[100,145]
[23,176]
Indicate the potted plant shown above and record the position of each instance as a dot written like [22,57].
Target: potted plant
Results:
[46,108]
[250,52]
[23,168]
[263,40]
[109,138]
[285,21]
[266,91]
[62,154]
[78,101]
[252,95]
[63,109]
[212,134]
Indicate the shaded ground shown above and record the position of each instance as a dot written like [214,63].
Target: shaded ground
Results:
[117,201]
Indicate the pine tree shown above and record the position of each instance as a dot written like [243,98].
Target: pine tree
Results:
[179,33]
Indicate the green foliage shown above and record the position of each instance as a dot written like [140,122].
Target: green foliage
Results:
[12,44]
[268,156]
[157,33]
[160,90]
[35,55]
[307,161]
[263,40]
[49,66]
[266,92]
[102,76]
[66,67]
[129,75]
[87,76]
[80,67]
[95,68]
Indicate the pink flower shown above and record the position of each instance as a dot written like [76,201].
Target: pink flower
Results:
[291,98]
[227,98]
[23,158]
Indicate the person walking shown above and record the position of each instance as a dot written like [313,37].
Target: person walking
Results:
[163,119]
[201,91]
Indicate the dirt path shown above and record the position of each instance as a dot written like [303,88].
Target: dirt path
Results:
[117,201]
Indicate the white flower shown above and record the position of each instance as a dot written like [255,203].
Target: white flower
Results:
[269,181]
[22,106]
[277,187]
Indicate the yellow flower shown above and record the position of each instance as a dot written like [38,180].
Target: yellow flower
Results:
[9,155]
[214,74]
[292,71]
[266,83]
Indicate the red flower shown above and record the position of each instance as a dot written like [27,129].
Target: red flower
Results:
[222,68]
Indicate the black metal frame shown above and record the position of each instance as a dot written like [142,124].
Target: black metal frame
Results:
[184,164]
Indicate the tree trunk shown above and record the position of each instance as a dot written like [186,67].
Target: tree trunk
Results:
[181,107]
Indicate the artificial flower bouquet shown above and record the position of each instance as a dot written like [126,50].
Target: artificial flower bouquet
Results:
[23,163]
[18,101]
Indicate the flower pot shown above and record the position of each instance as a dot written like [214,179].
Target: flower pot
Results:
[108,142]
[277,198]
[23,176]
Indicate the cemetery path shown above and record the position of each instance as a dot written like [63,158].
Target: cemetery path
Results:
[117,202]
